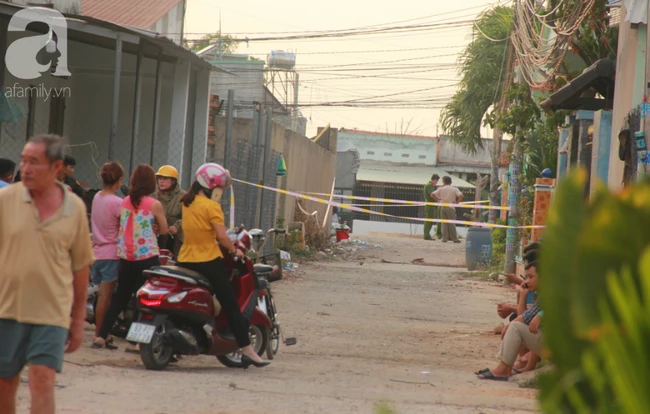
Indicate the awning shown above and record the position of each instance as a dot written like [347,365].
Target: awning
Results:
[600,76]
[403,174]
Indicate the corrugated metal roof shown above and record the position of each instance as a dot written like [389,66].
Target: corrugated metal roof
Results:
[142,14]
[362,132]
[404,174]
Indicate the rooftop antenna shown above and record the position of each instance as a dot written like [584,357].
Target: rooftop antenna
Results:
[220,41]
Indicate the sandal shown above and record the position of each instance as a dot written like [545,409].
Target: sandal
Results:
[482,371]
[110,344]
[490,376]
[100,343]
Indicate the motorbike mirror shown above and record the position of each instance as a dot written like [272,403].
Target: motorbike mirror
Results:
[256,233]
[124,189]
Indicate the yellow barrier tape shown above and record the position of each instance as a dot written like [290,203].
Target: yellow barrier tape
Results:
[379,213]
[414,203]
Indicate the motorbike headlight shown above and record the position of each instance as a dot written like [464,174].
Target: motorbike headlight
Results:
[177,297]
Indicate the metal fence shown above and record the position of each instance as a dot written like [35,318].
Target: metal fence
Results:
[92,147]
[398,192]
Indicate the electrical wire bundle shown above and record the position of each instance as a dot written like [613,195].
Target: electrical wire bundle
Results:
[541,42]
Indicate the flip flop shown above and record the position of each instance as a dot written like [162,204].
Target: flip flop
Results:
[482,371]
[490,376]
[516,371]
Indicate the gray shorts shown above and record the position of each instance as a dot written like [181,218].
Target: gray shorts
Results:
[37,344]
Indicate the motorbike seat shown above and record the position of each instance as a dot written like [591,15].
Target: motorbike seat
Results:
[263,282]
[178,272]
[261,269]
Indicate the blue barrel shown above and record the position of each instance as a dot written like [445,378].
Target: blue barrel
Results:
[478,247]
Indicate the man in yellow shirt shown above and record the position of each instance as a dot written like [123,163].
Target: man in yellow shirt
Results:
[45,254]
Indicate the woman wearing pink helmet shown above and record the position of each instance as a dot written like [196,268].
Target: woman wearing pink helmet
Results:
[203,225]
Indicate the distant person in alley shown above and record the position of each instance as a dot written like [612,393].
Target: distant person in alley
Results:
[431,211]
[448,194]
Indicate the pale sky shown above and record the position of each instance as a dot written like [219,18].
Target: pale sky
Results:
[430,70]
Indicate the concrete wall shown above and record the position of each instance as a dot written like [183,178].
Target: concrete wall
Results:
[247,80]
[450,153]
[310,167]
[392,148]
[347,165]
[626,95]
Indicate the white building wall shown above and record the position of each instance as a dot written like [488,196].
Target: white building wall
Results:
[247,80]
[377,147]
[171,25]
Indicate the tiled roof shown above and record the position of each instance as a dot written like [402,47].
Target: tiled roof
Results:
[142,14]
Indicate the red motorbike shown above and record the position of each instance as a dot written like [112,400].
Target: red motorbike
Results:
[179,315]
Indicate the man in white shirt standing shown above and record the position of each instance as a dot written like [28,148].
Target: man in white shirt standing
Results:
[451,195]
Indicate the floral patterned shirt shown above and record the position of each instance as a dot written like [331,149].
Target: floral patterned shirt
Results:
[136,240]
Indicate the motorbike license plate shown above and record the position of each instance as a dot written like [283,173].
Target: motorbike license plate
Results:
[140,332]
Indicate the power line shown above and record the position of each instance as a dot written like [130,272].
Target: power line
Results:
[355,32]
[340,52]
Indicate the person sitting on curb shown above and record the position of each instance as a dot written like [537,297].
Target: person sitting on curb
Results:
[505,310]
[510,311]
[525,329]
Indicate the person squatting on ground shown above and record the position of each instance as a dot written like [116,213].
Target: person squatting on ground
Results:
[203,221]
[524,330]
[451,195]
[105,221]
[169,193]
[40,219]
[431,212]
[137,246]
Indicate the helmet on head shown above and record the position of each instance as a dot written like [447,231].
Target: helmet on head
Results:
[212,176]
[167,171]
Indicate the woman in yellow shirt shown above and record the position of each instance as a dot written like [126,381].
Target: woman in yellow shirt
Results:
[203,225]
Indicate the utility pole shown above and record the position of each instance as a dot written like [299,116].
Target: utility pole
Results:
[495,154]
[513,203]
[645,107]
[220,41]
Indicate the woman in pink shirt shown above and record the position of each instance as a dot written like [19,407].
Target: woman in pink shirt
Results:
[137,246]
[105,221]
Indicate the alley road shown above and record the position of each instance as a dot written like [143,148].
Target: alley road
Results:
[368,331]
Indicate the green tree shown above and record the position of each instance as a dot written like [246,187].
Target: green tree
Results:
[595,290]
[483,72]
[594,39]
[228,43]
[485,67]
